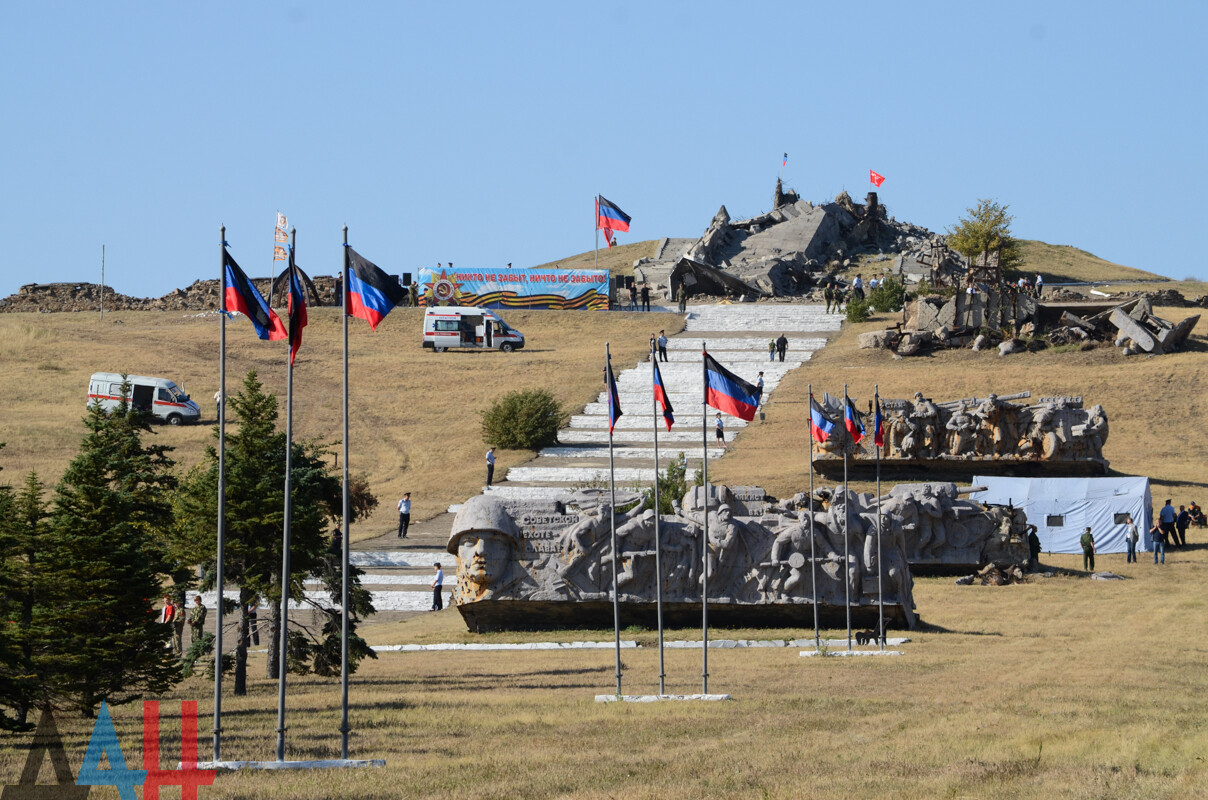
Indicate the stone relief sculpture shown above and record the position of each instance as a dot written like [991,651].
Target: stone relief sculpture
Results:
[1055,429]
[531,564]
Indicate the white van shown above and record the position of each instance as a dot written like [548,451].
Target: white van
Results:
[159,397]
[447,327]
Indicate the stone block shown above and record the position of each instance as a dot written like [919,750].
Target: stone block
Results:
[874,340]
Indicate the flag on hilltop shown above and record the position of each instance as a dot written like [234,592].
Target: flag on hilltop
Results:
[852,421]
[785,161]
[876,179]
[660,395]
[820,426]
[727,392]
[614,398]
[243,297]
[371,292]
[609,218]
[297,308]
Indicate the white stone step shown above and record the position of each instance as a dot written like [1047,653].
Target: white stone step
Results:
[647,453]
[579,475]
[629,423]
[758,344]
[679,434]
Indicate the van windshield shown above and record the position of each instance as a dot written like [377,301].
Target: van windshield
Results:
[176,394]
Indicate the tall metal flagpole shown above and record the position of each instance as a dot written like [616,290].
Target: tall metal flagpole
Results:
[220,556]
[596,225]
[704,551]
[344,598]
[880,564]
[658,539]
[103,282]
[813,556]
[612,518]
[846,537]
[283,646]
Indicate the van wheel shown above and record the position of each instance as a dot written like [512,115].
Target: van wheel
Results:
[175,419]
[440,349]
[506,347]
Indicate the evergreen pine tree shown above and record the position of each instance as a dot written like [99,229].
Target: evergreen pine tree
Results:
[22,525]
[255,498]
[94,629]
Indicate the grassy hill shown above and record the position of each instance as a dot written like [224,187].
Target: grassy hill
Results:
[1060,263]
[617,260]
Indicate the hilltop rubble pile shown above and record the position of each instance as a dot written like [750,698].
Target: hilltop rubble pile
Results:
[200,296]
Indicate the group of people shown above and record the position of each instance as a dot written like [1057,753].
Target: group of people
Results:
[404,522]
[176,616]
[642,293]
[1033,288]
[777,347]
[1169,530]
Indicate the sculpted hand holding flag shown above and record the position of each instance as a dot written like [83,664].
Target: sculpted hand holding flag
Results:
[371,292]
[243,297]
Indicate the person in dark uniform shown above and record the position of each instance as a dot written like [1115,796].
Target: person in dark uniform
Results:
[1088,550]
[645,297]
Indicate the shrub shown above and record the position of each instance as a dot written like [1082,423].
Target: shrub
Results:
[526,420]
[858,311]
[672,486]
[889,296]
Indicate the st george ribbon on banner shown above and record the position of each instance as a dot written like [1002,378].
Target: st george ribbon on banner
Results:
[727,392]
[371,292]
[243,297]
[609,218]
[660,395]
[297,308]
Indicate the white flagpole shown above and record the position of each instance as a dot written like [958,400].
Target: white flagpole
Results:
[813,555]
[880,564]
[846,537]
[658,540]
[344,556]
[221,554]
[704,551]
[283,647]
[612,516]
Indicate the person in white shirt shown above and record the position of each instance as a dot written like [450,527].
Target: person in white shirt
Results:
[437,582]
[1131,537]
[404,515]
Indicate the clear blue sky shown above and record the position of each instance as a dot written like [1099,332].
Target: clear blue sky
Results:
[480,132]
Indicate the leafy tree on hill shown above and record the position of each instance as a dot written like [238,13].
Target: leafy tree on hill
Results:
[255,500]
[986,229]
[94,631]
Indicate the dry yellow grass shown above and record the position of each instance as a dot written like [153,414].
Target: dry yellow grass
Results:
[1060,262]
[617,260]
[414,425]
[1062,688]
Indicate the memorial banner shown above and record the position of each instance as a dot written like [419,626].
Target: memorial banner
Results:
[515,288]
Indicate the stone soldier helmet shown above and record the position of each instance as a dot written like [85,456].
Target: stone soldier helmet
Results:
[482,514]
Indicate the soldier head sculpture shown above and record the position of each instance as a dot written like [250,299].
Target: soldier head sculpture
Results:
[484,539]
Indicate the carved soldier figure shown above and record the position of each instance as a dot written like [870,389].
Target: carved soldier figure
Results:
[927,417]
[636,542]
[963,430]
[903,436]
[485,540]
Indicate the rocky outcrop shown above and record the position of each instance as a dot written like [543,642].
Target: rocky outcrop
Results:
[200,296]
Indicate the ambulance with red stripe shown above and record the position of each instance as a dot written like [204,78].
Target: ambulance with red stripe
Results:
[159,397]
[466,327]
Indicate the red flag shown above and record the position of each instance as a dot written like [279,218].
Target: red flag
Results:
[876,179]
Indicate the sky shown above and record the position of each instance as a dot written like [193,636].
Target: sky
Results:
[480,133]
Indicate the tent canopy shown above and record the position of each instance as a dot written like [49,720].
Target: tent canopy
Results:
[1061,508]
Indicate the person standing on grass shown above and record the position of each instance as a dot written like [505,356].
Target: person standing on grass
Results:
[437,582]
[1166,518]
[1033,548]
[1088,550]
[719,427]
[218,404]
[1181,523]
[1158,537]
[404,515]
[197,620]
[490,465]
[1131,537]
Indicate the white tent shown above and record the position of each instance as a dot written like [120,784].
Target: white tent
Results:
[1061,508]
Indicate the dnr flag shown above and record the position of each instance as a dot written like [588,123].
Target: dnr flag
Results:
[820,426]
[241,296]
[614,398]
[297,308]
[609,218]
[727,392]
[878,426]
[371,293]
[660,396]
[852,421]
